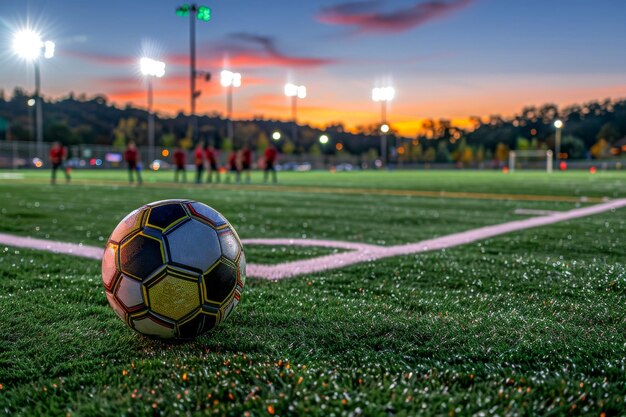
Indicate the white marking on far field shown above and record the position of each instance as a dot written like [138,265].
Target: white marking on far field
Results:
[357,252]
[11,176]
[533,212]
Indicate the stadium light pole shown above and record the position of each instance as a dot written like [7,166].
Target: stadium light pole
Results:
[202,13]
[230,80]
[28,45]
[558,124]
[383,95]
[151,68]
[295,92]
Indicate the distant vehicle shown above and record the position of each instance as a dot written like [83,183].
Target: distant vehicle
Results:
[76,163]
[294,166]
[345,167]
[6,162]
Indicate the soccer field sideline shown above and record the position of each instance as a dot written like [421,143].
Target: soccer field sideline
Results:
[280,188]
[357,252]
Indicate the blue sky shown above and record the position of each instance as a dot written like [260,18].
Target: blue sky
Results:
[446,58]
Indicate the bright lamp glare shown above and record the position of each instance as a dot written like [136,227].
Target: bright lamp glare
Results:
[324,139]
[228,78]
[48,49]
[276,135]
[384,128]
[301,91]
[558,124]
[31,102]
[292,90]
[27,44]
[152,67]
[383,93]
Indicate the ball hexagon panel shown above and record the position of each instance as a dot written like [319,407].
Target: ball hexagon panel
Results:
[141,255]
[230,245]
[129,224]
[162,202]
[129,293]
[109,265]
[198,324]
[207,213]
[193,245]
[242,269]
[152,326]
[174,294]
[116,307]
[229,307]
[166,215]
[219,282]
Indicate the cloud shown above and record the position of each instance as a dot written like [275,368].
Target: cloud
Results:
[244,50]
[99,58]
[367,16]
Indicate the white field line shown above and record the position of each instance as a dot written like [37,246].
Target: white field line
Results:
[358,252]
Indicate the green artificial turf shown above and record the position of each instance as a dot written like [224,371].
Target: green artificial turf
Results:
[571,183]
[526,324]
[275,254]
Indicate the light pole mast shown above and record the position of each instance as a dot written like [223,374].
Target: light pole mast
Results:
[383,95]
[151,68]
[28,45]
[202,13]
[558,124]
[38,109]
[230,80]
[295,92]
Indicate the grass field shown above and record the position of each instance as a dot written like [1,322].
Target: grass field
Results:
[530,323]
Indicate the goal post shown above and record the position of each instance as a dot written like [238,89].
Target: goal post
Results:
[538,155]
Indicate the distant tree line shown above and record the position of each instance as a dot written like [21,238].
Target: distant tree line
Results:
[592,130]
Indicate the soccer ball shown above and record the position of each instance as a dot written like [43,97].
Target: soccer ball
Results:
[173,269]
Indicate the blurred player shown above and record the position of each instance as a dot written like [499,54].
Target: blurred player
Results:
[58,153]
[270,156]
[233,166]
[246,162]
[198,156]
[211,157]
[180,159]
[131,155]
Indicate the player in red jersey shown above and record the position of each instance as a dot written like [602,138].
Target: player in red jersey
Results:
[180,159]
[198,157]
[270,156]
[131,155]
[234,166]
[211,156]
[246,162]
[57,155]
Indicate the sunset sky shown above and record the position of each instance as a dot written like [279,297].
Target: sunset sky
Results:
[446,58]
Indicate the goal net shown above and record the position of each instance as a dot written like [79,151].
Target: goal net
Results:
[542,159]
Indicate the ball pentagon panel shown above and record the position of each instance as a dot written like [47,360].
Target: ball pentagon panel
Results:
[150,325]
[220,282]
[141,255]
[129,293]
[166,215]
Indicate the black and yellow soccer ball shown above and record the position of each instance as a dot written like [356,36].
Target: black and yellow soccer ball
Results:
[173,269]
